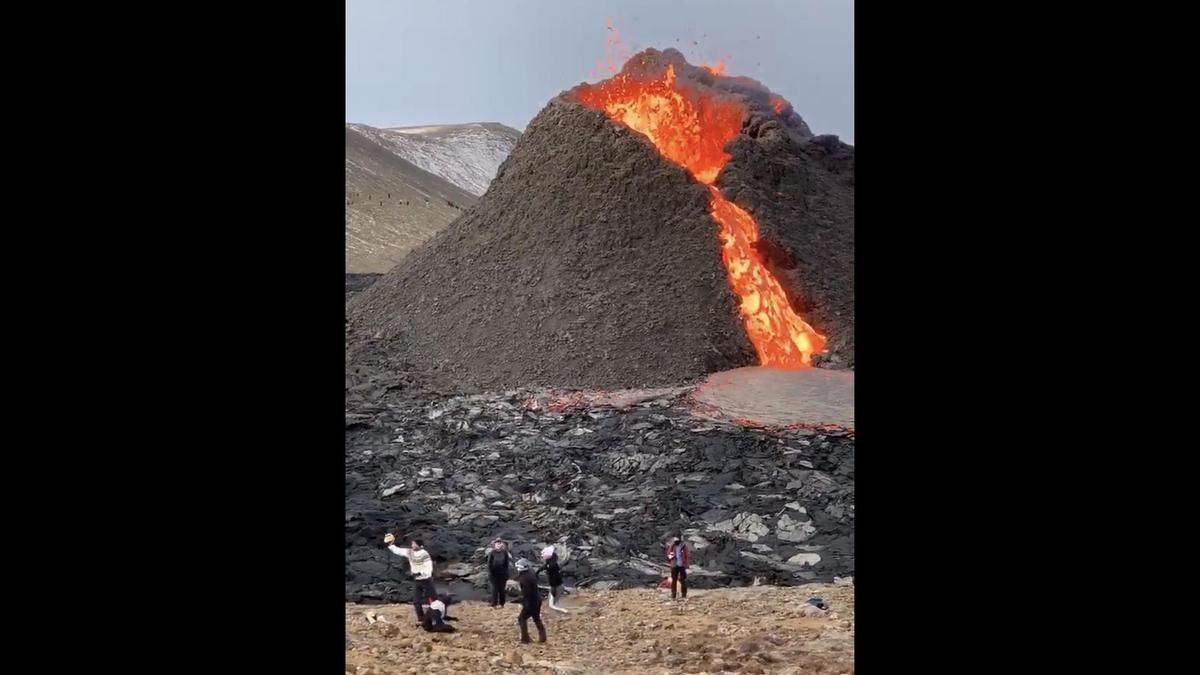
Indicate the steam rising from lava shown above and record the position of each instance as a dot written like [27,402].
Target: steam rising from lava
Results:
[690,126]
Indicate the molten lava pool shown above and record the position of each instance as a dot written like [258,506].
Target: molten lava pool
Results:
[691,128]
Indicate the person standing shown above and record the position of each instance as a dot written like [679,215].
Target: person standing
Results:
[421,565]
[531,601]
[498,561]
[677,558]
[553,577]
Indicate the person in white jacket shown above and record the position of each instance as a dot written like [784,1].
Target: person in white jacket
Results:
[420,563]
[436,615]
[553,576]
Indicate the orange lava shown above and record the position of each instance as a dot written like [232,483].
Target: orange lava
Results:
[691,129]
[778,103]
[718,69]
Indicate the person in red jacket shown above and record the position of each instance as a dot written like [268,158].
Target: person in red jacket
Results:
[677,559]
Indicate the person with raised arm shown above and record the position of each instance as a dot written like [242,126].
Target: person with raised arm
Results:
[420,564]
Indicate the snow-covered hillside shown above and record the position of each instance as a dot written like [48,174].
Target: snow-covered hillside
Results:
[466,155]
[392,206]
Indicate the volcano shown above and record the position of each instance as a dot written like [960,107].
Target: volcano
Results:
[649,229]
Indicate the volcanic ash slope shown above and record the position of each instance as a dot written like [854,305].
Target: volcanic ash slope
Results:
[590,262]
[593,261]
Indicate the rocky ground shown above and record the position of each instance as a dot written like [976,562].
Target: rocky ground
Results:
[760,629]
[603,476]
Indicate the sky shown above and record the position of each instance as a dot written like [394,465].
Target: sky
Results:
[417,62]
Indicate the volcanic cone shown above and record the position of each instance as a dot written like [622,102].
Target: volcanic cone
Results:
[646,230]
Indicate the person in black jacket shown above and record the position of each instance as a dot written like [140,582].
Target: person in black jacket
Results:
[553,577]
[531,601]
[498,561]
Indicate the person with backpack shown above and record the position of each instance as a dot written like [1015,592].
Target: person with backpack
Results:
[677,560]
[420,565]
[553,577]
[498,561]
[531,601]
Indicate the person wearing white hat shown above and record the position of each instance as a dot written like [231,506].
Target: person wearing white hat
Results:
[553,577]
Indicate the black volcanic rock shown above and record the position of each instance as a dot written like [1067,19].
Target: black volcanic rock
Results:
[605,485]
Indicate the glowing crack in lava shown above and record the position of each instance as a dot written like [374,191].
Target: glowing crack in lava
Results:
[691,128]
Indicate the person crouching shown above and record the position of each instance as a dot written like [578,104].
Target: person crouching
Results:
[435,617]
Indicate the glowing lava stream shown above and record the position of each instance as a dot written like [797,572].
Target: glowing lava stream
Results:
[691,128]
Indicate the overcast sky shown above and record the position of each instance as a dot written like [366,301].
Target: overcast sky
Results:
[414,62]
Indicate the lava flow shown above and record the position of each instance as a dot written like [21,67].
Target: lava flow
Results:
[690,128]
